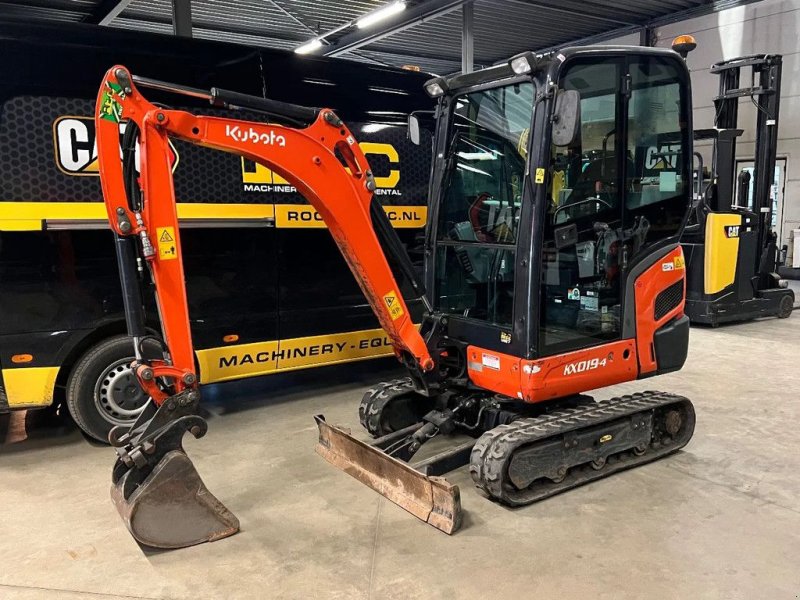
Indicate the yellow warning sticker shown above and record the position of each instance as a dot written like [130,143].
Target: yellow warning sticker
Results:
[539,175]
[393,304]
[167,250]
[679,262]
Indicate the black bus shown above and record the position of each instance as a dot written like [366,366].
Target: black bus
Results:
[268,290]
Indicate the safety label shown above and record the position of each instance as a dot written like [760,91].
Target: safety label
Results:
[393,304]
[166,243]
[491,361]
[539,175]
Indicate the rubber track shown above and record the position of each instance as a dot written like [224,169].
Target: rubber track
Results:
[494,449]
[378,397]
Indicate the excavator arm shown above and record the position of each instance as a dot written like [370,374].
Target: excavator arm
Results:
[156,488]
[322,160]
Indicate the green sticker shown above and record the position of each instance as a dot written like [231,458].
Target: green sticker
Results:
[110,108]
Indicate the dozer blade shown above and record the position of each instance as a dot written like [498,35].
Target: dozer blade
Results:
[430,499]
[172,508]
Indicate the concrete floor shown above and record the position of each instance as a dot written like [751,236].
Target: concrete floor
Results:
[720,519]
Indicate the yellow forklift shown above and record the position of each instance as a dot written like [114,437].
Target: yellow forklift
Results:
[731,250]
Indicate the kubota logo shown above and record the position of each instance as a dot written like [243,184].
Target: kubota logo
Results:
[269,138]
[76,146]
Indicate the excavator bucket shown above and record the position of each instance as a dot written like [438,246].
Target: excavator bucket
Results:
[172,508]
[430,499]
[157,491]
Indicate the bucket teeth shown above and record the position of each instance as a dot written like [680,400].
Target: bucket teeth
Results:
[430,499]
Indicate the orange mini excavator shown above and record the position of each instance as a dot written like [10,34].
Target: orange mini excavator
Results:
[560,188]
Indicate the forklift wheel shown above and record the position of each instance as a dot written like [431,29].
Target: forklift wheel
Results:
[786,306]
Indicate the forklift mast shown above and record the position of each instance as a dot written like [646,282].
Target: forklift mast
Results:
[765,91]
[731,249]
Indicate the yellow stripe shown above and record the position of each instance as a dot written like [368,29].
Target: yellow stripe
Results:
[29,386]
[34,386]
[226,211]
[38,211]
[28,216]
[305,216]
[261,358]
[721,252]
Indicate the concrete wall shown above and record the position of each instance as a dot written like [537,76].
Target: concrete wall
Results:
[767,27]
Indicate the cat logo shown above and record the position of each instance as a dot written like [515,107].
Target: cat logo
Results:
[76,146]
[732,231]
[661,157]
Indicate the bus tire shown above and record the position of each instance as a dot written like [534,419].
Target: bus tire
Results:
[102,391]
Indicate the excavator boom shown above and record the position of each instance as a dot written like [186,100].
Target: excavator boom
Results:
[320,157]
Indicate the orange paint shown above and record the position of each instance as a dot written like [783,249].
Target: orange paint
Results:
[305,157]
[648,286]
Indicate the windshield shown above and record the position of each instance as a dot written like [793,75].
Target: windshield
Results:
[481,200]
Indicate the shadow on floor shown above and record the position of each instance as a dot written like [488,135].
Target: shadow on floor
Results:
[36,429]
[26,430]
[247,394]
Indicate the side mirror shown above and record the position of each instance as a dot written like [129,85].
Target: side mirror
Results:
[413,129]
[566,117]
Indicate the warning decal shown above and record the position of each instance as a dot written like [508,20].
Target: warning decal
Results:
[679,262]
[166,243]
[393,304]
[539,175]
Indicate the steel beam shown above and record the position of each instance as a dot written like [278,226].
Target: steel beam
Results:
[467,38]
[182,18]
[647,36]
[588,14]
[410,17]
[106,11]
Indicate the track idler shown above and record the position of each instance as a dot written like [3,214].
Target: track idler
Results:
[156,488]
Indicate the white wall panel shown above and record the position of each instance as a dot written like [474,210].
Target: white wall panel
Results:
[768,27]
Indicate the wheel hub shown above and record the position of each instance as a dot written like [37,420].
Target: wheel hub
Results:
[118,395]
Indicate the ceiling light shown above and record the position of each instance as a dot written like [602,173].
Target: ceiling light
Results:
[381,14]
[309,46]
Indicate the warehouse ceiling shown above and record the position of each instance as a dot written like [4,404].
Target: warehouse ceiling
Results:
[427,33]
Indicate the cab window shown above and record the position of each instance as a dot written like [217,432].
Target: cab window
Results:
[479,210]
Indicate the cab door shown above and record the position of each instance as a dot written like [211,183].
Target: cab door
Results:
[583,240]
[616,197]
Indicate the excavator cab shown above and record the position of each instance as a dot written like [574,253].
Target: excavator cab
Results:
[550,185]
[559,193]
[560,188]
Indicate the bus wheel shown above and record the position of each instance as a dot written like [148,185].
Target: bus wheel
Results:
[102,391]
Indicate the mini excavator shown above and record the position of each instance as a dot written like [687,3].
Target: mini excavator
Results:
[560,189]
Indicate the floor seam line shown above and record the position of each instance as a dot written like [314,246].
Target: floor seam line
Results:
[735,490]
[375,548]
[69,591]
